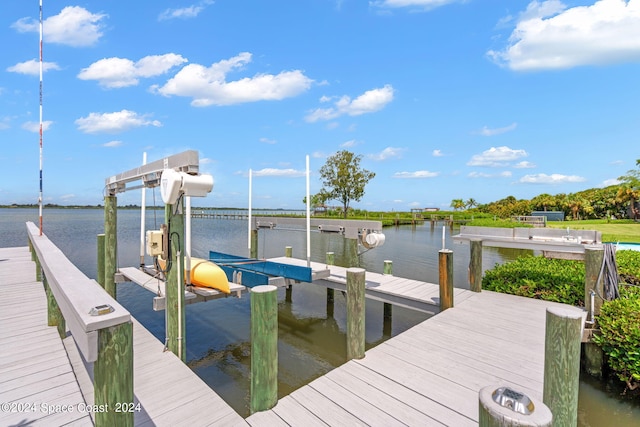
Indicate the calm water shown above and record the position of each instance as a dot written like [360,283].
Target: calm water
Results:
[310,342]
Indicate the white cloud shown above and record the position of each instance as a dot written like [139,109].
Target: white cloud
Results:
[350,143]
[554,178]
[437,153]
[369,102]
[416,174]
[608,182]
[496,157]
[5,122]
[485,131]
[35,126]
[185,12]
[288,173]
[122,72]
[422,4]
[387,153]
[112,144]
[116,122]
[549,36]
[524,165]
[68,196]
[208,86]
[267,141]
[73,26]
[32,67]
[505,174]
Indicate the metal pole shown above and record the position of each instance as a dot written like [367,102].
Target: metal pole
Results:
[249,230]
[40,197]
[143,213]
[308,218]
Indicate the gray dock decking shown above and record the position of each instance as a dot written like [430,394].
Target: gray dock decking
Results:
[429,375]
[36,370]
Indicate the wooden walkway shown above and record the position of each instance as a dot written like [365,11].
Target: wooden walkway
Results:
[35,374]
[408,293]
[431,374]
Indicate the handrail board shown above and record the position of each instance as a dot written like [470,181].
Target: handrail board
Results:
[76,295]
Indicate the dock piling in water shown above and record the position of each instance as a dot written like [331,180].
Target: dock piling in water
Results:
[110,244]
[355,313]
[264,347]
[445,269]
[562,364]
[475,265]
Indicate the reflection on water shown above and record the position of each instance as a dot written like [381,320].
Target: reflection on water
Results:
[311,335]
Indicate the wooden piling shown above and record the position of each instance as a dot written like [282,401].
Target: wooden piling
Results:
[288,251]
[100,270]
[387,316]
[54,315]
[562,364]
[330,292]
[388,267]
[475,265]
[113,376]
[351,252]
[445,269]
[110,244]
[330,258]
[264,347]
[355,313]
[253,253]
[593,257]
[176,319]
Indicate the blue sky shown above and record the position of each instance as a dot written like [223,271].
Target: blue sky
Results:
[444,99]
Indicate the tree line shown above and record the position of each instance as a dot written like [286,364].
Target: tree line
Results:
[617,201]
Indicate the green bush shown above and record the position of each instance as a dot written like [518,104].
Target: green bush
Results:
[629,266]
[619,338]
[538,277]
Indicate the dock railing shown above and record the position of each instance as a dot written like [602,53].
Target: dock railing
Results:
[100,326]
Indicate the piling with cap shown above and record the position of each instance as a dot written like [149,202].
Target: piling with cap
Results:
[264,347]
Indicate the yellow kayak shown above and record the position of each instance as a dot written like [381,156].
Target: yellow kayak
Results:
[206,274]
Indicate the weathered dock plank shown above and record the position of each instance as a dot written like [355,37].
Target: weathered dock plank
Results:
[36,378]
[431,374]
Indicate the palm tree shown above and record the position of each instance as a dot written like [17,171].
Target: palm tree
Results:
[457,204]
[471,203]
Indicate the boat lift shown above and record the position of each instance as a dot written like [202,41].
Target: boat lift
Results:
[178,176]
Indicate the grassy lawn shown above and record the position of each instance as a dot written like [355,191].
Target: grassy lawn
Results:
[613,231]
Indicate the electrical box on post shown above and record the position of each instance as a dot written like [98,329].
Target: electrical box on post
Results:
[155,242]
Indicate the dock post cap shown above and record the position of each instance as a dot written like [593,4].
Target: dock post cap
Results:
[565,312]
[263,288]
[502,405]
[355,270]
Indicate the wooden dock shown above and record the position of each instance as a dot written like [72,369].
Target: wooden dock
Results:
[429,375]
[36,378]
[408,293]
[41,383]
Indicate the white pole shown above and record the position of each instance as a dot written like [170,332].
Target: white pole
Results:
[249,226]
[187,238]
[143,213]
[40,196]
[179,306]
[443,234]
[308,218]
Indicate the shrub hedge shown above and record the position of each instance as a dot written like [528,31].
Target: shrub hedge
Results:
[563,281]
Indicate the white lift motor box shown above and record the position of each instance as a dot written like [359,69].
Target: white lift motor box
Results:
[154,242]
